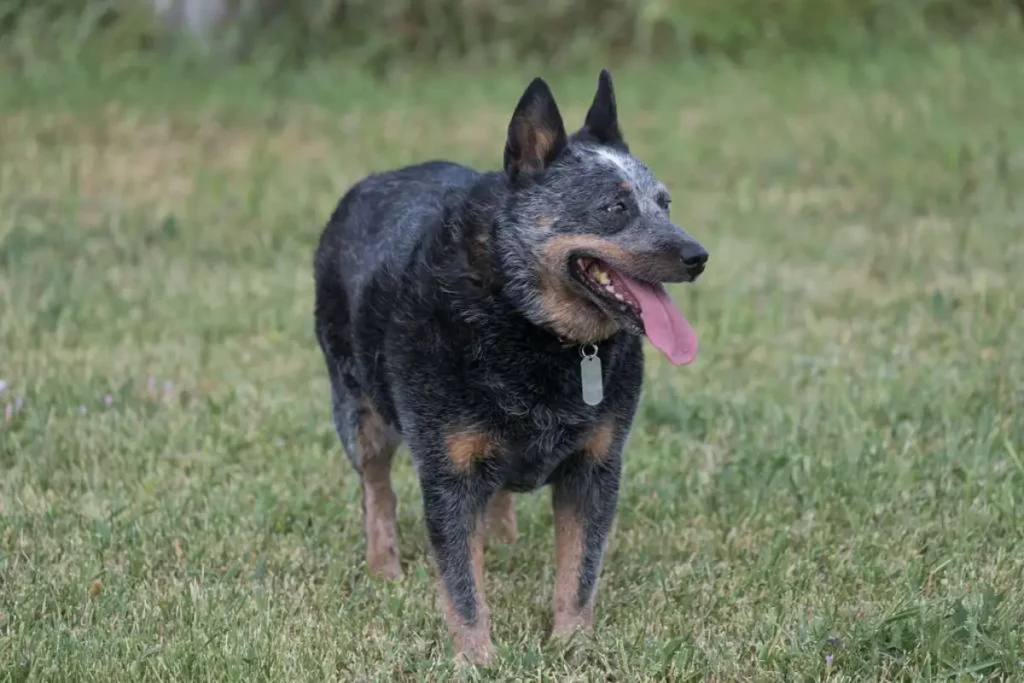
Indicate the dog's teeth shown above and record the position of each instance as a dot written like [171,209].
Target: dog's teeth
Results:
[619,297]
[600,275]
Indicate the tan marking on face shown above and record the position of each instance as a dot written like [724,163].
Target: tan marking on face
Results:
[545,222]
[468,447]
[600,439]
[569,539]
[572,315]
[626,185]
[472,642]
[379,501]
[557,249]
[501,517]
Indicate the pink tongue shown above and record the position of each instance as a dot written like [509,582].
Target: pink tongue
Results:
[665,326]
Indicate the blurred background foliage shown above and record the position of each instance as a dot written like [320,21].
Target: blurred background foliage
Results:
[383,33]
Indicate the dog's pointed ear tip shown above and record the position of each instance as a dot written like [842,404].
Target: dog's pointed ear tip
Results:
[605,77]
[537,93]
[538,84]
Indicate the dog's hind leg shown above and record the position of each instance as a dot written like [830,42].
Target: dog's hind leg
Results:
[376,443]
[369,441]
[370,444]
[501,517]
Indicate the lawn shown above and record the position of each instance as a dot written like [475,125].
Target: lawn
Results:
[832,491]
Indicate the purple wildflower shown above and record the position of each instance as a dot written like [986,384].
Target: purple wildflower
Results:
[3,385]
[828,660]
[82,410]
[108,400]
[19,403]
[8,412]
[168,388]
[151,383]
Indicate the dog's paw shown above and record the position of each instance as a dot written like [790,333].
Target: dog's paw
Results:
[568,628]
[386,567]
[481,656]
[474,648]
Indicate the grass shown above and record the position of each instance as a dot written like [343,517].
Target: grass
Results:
[831,492]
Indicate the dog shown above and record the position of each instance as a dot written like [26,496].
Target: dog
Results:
[493,321]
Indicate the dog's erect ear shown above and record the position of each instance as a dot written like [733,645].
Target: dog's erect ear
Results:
[536,134]
[602,122]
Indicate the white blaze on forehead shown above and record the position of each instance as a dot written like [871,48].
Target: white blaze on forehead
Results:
[620,161]
[631,169]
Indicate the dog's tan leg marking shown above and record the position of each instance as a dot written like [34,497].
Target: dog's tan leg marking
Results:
[501,517]
[379,503]
[472,642]
[569,539]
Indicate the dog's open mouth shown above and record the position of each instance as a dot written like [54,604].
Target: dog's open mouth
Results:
[647,306]
[606,283]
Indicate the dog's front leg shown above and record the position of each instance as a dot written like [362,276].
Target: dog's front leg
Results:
[456,525]
[584,498]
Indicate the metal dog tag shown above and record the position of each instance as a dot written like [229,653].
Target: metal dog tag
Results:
[590,375]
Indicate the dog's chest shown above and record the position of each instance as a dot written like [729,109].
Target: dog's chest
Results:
[536,443]
[540,426]
[544,388]
[542,402]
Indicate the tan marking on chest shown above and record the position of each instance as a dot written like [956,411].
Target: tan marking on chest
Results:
[599,441]
[470,446]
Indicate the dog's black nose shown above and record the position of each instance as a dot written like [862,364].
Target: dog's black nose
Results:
[694,256]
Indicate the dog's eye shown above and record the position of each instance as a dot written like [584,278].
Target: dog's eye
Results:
[663,202]
[617,207]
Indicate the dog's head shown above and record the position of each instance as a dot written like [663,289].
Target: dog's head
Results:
[584,238]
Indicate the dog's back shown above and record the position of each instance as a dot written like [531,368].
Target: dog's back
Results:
[367,244]
[377,224]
